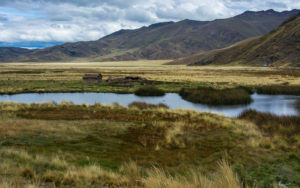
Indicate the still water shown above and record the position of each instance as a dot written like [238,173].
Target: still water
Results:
[276,104]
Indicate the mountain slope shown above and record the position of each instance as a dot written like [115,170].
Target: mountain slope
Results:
[279,47]
[167,40]
[9,52]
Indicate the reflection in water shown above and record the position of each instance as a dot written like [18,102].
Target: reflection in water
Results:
[276,104]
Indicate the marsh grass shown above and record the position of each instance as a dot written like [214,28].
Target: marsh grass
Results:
[143,105]
[87,145]
[279,90]
[280,132]
[211,96]
[272,124]
[149,91]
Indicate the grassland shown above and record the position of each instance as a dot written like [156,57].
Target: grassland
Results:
[67,77]
[63,145]
[68,145]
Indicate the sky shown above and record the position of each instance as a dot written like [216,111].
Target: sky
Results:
[47,21]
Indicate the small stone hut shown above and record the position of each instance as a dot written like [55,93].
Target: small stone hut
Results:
[92,78]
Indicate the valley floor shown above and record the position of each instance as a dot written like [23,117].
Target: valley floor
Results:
[67,77]
[68,145]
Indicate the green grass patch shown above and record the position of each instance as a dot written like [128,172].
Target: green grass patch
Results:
[212,96]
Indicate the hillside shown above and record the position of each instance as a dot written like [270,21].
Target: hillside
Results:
[9,52]
[279,47]
[167,40]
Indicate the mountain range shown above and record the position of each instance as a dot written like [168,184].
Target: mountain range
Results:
[168,40]
[281,47]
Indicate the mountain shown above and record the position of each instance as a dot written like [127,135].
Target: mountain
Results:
[9,52]
[167,40]
[281,47]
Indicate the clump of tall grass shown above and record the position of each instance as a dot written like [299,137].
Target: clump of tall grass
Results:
[224,177]
[143,105]
[279,89]
[212,96]
[271,124]
[149,91]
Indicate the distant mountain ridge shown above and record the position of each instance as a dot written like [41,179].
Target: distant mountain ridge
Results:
[281,47]
[11,52]
[167,40]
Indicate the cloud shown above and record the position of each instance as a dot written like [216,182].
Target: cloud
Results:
[77,20]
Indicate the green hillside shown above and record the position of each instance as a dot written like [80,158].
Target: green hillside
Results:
[279,47]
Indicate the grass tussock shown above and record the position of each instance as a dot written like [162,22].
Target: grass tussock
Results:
[211,96]
[143,105]
[224,177]
[280,131]
[279,90]
[269,123]
[149,91]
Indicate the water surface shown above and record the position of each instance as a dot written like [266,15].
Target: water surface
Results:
[276,104]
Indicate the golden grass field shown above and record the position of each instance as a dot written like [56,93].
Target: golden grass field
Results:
[154,70]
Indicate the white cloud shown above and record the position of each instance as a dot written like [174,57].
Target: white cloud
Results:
[76,20]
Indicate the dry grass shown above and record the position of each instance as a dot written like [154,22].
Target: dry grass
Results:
[154,70]
[129,175]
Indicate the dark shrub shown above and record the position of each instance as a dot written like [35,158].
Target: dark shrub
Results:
[149,91]
[213,96]
[143,105]
[279,90]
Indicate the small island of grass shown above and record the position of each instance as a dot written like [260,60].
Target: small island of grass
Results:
[149,91]
[212,96]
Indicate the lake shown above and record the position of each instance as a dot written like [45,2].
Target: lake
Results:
[276,104]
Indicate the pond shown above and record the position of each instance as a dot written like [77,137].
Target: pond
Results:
[276,104]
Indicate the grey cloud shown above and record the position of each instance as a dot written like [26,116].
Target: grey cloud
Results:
[139,16]
[3,18]
[277,5]
[74,20]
